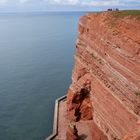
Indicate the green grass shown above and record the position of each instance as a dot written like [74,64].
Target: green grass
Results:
[122,14]
[126,13]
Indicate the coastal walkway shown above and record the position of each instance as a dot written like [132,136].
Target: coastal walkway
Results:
[87,130]
[58,103]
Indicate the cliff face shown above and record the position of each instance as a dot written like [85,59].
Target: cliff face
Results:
[106,77]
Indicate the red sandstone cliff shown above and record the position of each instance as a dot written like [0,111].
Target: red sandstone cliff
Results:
[105,85]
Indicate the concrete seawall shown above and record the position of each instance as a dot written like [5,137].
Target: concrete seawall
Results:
[55,123]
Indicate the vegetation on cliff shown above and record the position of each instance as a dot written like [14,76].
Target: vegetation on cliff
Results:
[126,13]
[116,16]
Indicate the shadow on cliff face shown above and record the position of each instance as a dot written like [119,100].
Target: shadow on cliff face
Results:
[79,104]
[80,101]
[82,137]
[79,98]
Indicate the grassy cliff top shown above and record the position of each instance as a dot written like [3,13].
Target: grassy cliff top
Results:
[126,13]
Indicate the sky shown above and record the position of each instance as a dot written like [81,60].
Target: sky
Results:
[66,5]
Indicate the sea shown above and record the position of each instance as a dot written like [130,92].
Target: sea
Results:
[36,61]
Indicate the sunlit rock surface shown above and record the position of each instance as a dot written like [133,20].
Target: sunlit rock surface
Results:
[105,85]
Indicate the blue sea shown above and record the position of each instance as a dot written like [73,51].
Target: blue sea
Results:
[36,61]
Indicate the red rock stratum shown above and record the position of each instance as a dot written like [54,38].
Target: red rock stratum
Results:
[105,89]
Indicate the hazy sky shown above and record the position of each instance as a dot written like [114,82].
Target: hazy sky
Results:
[66,5]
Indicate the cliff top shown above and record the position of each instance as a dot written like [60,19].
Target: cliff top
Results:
[118,14]
[126,13]
[115,19]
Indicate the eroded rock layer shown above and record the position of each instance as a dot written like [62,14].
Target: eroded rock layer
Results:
[106,77]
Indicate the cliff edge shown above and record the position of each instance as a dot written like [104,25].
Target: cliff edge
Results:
[105,89]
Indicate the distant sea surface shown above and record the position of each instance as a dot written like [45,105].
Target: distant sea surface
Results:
[36,60]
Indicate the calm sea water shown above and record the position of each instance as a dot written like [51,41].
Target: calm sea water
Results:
[36,59]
